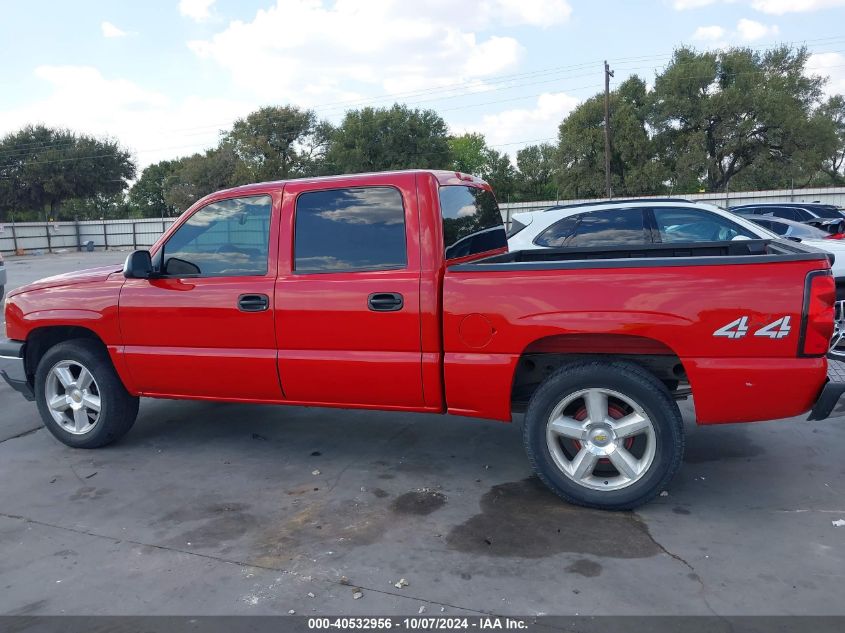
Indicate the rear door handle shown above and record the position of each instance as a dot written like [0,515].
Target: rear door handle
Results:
[253,303]
[385,302]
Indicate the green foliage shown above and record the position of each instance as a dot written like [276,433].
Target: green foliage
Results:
[275,143]
[201,174]
[41,167]
[469,153]
[147,195]
[536,170]
[378,139]
[634,164]
[501,174]
[832,113]
[718,114]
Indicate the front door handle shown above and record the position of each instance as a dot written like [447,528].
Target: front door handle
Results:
[385,302]
[253,303]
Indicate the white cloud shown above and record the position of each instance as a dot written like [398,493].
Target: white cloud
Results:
[831,65]
[390,46]
[709,33]
[772,7]
[509,130]
[779,7]
[147,122]
[110,30]
[541,13]
[749,30]
[683,5]
[746,31]
[198,10]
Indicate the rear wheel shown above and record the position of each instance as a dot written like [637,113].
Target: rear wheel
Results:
[80,397]
[604,434]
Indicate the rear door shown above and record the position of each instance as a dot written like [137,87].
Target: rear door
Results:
[348,293]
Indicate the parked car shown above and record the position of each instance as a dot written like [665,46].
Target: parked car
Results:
[397,291]
[823,216]
[663,220]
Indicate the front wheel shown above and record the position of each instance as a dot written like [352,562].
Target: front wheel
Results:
[80,396]
[604,434]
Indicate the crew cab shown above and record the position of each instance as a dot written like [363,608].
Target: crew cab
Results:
[397,291]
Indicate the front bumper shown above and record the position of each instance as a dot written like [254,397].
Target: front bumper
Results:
[12,367]
[831,392]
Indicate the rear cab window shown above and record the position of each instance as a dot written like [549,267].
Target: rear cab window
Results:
[472,222]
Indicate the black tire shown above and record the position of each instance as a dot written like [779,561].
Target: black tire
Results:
[636,384]
[118,408]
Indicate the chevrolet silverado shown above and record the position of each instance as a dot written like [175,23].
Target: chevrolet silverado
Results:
[397,291]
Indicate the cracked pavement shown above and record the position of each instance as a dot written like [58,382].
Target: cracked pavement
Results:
[215,509]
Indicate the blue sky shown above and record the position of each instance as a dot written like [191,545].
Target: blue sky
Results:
[164,76]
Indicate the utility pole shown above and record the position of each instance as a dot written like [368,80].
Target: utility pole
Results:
[607,75]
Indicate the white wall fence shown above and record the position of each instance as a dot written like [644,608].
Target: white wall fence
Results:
[38,237]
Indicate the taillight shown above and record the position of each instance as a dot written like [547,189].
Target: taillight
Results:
[835,236]
[817,316]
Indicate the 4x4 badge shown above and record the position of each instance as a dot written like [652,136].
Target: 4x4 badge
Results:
[739,328]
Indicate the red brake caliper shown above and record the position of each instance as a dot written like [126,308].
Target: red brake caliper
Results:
[616,413]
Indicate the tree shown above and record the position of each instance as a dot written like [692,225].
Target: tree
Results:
[536,166]
[199,175]
[635,167]
[42,167]
[377,139]
[500,173]
[147,195]
[718,113]
[275,143]
[833,111]
[469,152]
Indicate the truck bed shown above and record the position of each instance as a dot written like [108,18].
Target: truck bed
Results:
[657,255]
[676,300]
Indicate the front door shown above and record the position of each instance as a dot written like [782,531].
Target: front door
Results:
[205,329]
[347,299]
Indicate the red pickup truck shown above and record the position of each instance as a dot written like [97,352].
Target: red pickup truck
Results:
[397,291]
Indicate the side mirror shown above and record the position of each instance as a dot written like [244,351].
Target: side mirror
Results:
[139,265]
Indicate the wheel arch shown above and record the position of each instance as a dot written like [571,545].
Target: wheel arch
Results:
[41,339]
[545,355]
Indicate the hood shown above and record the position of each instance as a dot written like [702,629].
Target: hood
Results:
[67,279]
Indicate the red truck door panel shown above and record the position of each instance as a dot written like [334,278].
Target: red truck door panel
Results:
[206,329]
[347,296]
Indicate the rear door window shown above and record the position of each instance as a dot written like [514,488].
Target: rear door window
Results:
[353,229]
